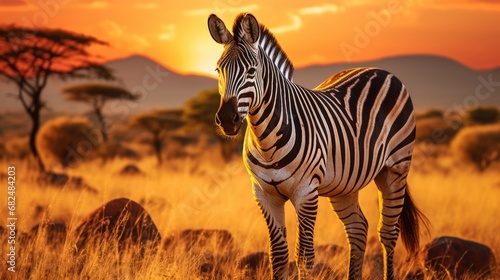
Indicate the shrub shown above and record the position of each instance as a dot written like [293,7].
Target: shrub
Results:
[66,141]
[435,130]
[483,115]
[432,113]
[478,145]
[17,148]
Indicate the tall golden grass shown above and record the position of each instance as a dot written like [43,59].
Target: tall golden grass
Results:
[205,193]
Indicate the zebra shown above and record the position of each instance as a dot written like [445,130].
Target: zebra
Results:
[331,141]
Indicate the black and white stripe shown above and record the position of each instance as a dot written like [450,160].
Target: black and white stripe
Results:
[331,141]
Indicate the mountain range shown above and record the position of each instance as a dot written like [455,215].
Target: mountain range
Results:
[433,82]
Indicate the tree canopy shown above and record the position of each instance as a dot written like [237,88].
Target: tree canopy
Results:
[96,95]
[30,56]
[159,123]
[200,110]
[199,113]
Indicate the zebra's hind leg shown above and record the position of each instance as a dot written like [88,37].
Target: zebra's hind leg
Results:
[355,224]
[273,210]
[392,188]
[306,207]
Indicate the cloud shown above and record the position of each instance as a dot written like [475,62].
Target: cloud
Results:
[168,32]
[318,10]
[220,8]
[487,5]
[146,6]
[14,2]
[93,4]
[112,28]
[122,36]
[297,20]
[295,25]
[97,5]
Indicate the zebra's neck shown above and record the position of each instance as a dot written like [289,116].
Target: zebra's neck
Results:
[273,120]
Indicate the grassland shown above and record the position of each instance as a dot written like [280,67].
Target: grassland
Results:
[206,193]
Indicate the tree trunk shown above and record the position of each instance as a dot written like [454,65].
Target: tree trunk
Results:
[102,124]
[35,126]
[157,147]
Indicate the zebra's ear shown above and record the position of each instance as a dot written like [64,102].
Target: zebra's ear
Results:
[251,30]
[218,30]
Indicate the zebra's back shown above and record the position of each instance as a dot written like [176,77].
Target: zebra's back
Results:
[374,107]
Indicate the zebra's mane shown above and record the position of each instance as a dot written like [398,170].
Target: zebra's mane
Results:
[269,45]
[272,48]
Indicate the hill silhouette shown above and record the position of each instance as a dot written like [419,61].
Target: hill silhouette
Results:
[433,82]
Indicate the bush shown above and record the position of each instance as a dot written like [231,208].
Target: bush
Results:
[483,115]
[17,148]
[433,113]
[478,145]
[435,130]
[66,141]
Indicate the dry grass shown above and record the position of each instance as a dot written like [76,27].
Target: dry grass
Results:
[208,194]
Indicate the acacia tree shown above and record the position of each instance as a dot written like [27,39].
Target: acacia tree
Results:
[96,95]
[199,113]
[30,56]
[159,123]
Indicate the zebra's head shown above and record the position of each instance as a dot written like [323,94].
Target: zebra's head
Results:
[238,68]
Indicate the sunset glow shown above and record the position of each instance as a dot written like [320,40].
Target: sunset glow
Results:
[313,32]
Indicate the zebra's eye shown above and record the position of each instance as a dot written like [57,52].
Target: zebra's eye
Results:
[250,73]
[217,70]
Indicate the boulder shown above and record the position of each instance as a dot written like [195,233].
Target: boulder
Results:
[457,257]
[130,169]
[201,239]
[324,253]
[55,179]
[121,219]
[256,264]
[255,261]
[53,233]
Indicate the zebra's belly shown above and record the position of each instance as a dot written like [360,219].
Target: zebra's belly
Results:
[329,179]
[289,183]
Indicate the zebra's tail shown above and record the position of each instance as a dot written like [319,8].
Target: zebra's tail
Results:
[409,223]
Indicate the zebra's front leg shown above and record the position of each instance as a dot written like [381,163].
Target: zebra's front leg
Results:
[272,207]
[355,225]
[306,207]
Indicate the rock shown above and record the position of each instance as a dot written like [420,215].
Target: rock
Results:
[53,178]
[130,169]
[324,253]
[63,180]
[458,257]
[255,261]
[54,233]
[213,269]
[121,219]
[256,264]
[201,239]
[323,271]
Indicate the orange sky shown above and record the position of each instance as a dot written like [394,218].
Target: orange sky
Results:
[311,32]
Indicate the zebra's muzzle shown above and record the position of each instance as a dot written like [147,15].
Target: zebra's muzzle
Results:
[228,117]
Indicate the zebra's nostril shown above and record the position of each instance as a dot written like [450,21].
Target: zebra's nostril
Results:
[217,120]
[236,119]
